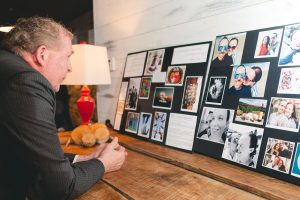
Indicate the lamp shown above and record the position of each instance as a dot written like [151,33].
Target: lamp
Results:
[89,67]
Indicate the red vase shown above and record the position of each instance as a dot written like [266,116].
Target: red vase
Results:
[86,106]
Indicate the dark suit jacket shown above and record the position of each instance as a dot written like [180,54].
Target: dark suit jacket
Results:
[32,162]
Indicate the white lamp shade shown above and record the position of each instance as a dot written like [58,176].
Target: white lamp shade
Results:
[89,66]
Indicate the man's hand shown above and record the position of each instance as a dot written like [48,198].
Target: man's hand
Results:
[113,156]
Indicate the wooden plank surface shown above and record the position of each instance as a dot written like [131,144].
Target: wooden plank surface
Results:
[238,177]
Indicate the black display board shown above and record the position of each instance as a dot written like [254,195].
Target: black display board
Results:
[246,117]
[145,105]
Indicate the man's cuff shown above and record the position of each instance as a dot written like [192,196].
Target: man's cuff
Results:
[75,158]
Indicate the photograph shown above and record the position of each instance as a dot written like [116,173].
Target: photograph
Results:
[144,124]
[249,80]
[216,90]
[252,111]
[145,87]
[278,155]
[175,75]
[228,50]
[268,43]
[289,81]
[284,114]
[163,97]
[191,93]
[296,165]
[290,46]
[243,144]
[132,122]
[154,61]
[132,94]
[214,124]
[159,125]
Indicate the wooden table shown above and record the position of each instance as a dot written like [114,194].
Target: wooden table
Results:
[156,172]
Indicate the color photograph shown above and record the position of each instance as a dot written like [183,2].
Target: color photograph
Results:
[144,124]
[290,47]
[228,50]
[159,125]
[215,90]
[154,61]
[214,124]
[284,114]
[252,111]
[242,144]
[249,80]
[163,97]
[145,87]
[191,93]
[132,94]
[296,166]
[268,43]
[289,82]
[175,75]
[132,122]
[278,155]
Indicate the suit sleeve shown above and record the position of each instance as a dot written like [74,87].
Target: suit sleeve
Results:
[31,107]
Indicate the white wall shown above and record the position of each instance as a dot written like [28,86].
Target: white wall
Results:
[127,26]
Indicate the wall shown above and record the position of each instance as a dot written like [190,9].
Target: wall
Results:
[136,25]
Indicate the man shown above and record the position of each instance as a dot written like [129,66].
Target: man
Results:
[274,44]
[239,89]
[278,118]
[233,43]
[32,163]
[254,74]
[222,60]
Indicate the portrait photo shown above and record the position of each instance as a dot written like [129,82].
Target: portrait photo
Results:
[268,43]
[228,50]
[191,93]
[132,94]
[175,75]
[145,124]
[284,114]
[159,125]
[215,90]
[278,155]
[289,81]
[132,122]
[145,87]
[249,80]
[252,111]
[296,164]
[214,124]
[163,97]
[290,47]
[243,144]
[154,61]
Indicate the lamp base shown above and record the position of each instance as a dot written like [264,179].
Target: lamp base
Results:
[86,106]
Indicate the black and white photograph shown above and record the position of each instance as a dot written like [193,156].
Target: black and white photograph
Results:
[215,90]
[154,61]
[284,114]
[243,144]
[252,111]
[163,97]
[132,122]
[289,81]
[132,94]
[268,43]
[159,125]
[145,124]
[278,155]
[228,50]
[214,124]
[290,47]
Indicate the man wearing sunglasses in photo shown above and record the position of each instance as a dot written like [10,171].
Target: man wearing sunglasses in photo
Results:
[238,88]
[254,74]
[233,43]
[223,59]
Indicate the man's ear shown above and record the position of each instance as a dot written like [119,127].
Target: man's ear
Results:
[41,55]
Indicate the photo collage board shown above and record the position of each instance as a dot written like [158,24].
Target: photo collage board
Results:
[251,108]
[160,93]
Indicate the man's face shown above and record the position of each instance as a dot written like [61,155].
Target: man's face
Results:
[58,63]
[239,77]
[282,106]
[232,45]
[273,38]
[295,44]
[250,77]
[222,48]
